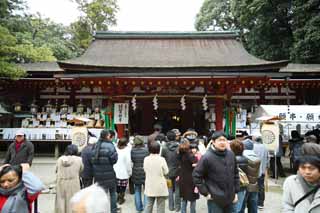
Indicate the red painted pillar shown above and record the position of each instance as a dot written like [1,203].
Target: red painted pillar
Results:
[120,130]
[219,113]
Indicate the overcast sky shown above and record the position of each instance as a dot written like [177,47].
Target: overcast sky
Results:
[139,15]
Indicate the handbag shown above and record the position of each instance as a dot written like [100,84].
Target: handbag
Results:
[169,183]
[244,181]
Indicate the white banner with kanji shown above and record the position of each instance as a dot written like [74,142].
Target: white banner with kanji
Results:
[121,113]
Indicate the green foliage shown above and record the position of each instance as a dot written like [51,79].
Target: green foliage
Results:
[81,33]
[265,27]
[272,30]
[7,7]
[97,15]
[306,28]
[11,53]
[215,15]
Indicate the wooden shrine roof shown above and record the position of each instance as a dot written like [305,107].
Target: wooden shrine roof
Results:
[217,51]
[42,67]
[301,68]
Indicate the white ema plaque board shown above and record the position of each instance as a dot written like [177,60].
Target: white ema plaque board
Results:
[270,135]
[79,137]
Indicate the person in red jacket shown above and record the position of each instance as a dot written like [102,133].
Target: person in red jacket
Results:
[18,188]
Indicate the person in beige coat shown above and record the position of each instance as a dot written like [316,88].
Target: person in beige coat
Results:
[68,169]
[155,168]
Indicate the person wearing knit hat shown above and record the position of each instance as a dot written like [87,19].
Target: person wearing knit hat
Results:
[301,192]
[20,151]
[138,140]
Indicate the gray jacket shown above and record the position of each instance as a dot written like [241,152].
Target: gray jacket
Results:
[24,155]
[294,188]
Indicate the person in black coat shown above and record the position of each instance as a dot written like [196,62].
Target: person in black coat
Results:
[138,153]
[216,175]
[103,159]
[86,155]
[20,151]
[170,154]
[188,190]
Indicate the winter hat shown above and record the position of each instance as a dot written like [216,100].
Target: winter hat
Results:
[138,140]
[20,132]
[248,144]
[190,135]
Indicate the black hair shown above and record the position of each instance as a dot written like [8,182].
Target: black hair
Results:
[295,134]
[16,168]
[154,147]
[104,133]
[160,137]
[122,142]
[311,159]
[171,135]
[218,134]
[71,150]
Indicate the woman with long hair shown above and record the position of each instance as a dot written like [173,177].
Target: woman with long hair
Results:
[188,191]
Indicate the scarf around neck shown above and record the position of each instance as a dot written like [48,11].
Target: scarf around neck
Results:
[17,200]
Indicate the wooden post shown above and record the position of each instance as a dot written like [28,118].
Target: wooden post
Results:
[56,150]
[219,113]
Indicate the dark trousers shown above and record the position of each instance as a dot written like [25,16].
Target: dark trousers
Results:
[280,171]
[261,194]
[86,182]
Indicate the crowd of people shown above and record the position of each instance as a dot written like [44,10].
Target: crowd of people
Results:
[173,167]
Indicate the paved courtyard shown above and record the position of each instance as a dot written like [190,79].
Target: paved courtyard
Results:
[45,169]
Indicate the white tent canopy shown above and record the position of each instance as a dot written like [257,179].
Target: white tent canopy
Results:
[293,117]
[290,113]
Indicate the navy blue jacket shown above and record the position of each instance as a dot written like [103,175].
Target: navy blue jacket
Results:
[103,159]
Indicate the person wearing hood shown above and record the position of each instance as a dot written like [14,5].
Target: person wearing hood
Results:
[68,169]
[169,152]
[103,159]
[20,151]
[251,199]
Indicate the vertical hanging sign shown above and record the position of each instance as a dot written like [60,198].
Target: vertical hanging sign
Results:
[121,113]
